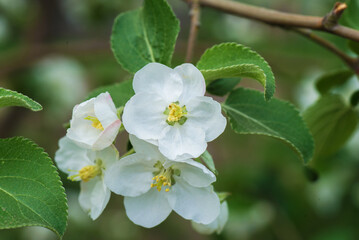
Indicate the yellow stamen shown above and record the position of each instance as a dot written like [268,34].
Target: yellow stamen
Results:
[175,112]
[163,179]
[87,173]
[95,122]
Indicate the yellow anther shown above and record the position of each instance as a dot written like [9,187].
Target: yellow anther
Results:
[167,190]
[95,122]
[175,112]
[89,172]
[163,178]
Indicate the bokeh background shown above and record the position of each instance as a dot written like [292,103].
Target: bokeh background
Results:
[57,51]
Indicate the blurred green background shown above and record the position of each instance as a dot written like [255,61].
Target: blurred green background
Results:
[57,51]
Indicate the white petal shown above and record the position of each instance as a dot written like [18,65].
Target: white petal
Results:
[70,158]
[131,176]
[198,204]
[159,79]
[108,156]
[182,141]
[143,116]
[105,109]
[149,209]
[150,150]
[107,136]
[194,173]
[205,113]
[217,225]
[193,82]
[94,196]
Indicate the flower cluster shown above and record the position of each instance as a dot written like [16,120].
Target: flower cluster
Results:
[169,121]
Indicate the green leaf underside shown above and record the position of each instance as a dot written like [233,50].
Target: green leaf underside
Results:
[333,79]
[221,87]
[120,92]
[229,60]
[208,160]
[249,113]
[12,98]
[331,122]
[145,35]
[31,193]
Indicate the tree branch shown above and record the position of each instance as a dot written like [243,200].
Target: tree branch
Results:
[195,23]
[282,19]
[353,63]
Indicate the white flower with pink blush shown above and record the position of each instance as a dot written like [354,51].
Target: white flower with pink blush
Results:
[94,124]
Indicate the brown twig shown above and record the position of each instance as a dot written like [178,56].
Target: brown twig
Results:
[280,18]
[353,63]
[195,23]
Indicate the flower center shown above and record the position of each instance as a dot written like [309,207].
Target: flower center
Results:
[162,179]
[95,122]
[88,172]
[175,113]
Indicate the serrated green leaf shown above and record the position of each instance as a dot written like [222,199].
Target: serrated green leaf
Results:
[221,87]
[350,16]
[229,60]
[31,193]
[354,46]
[208,160]
[333,79]
[120,92]
[331,122]
[249,113]
[145,35]
[12,98]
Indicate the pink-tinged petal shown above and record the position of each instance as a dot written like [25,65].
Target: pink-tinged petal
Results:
[158,79]
[193,82]
[205,113]
[105,109]
[107,136]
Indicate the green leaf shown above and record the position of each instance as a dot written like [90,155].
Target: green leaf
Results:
[331,122]
[249,113]
[145,35]
[221,87]
[333,79]
[354,46]
[350,16]
[12,98]
[120,92]
[229,60]
[208,160]
[31,193]
[354,99]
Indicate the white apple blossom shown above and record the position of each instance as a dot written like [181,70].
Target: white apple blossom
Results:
[153,186]
[217,225]
[169,109]
[94,123]
[89,167]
